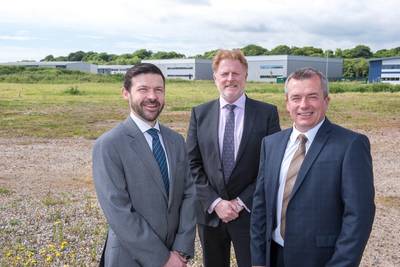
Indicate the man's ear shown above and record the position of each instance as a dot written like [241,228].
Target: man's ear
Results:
[125,93]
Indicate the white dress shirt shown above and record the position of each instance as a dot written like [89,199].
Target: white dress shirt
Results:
[239,122]
[143,127]
[291,148]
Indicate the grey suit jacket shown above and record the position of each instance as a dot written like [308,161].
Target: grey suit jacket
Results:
[260,119]
[144,225]
[331,209]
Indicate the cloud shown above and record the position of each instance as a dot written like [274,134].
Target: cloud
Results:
[15,38]
[195,26]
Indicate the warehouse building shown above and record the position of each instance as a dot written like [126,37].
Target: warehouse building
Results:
[261,68]
[113,69]
[184,68]
[385,70]
[277,68]
[69,65]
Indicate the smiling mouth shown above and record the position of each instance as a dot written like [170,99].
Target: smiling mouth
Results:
[306,114]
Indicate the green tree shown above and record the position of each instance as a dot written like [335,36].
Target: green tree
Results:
[361,51]
[355,68]
[167,55]
[76,56]
[281,50]
[142,54]
[48,58]
[254,50]
[338,52]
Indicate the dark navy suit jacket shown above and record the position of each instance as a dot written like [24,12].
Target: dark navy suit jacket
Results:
[260,119]
[331,210]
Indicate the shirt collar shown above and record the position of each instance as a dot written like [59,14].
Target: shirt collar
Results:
[310,134]
[240,102]
[143,126]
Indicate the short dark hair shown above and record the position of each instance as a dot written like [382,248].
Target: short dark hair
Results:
[308,73]
[138,69]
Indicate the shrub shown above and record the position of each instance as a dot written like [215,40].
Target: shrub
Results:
[73,90]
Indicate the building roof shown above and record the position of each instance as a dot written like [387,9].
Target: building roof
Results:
[290,57]
[177,60]
[383,58]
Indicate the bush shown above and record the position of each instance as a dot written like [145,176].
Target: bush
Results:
[73,90]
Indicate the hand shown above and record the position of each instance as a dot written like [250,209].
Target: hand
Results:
[175,260]
[237,205]
[226,211]
[183,259]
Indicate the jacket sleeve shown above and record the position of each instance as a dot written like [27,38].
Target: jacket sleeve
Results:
[359,207]
[272,127]
[258,218]
[184,239]
[134,233]
[204,191]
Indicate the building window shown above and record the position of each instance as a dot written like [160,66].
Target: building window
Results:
[390,79]
[179,68]
[270,76]
[391,66]
[190,76]
[263,67]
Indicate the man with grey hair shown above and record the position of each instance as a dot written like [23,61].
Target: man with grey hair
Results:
[314,200]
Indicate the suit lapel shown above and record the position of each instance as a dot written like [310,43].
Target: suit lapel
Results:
[315,148]
[145,155]
[276,164]
[170,150]
[249,117]
[213,122]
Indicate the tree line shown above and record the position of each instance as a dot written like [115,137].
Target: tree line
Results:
[355,65]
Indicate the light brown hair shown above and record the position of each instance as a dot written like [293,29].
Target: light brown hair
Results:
[234,54]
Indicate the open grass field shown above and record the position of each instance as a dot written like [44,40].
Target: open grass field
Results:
[49,214]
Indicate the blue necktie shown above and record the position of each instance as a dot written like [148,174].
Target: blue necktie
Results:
[159,155]
[228,147]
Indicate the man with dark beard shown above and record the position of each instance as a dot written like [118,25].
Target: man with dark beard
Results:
[143,182]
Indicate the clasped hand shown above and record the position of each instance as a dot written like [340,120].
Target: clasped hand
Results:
[228,210]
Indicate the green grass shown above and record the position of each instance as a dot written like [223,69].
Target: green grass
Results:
[88,109]
[4,191]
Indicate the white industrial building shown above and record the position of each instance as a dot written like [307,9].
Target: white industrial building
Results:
[69,65]
[386,70]
[261,68]
[113,69]
[277,68]
[184,68]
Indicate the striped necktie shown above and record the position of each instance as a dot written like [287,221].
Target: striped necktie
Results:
[159,155]
[291,176]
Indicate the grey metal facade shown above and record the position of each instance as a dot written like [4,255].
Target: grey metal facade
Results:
[184,68]
[272,68]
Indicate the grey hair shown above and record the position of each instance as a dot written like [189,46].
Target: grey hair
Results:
[308,73]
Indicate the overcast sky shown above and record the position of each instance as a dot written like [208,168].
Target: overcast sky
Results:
[32,29]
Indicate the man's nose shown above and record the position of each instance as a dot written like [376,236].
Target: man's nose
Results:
[151,94]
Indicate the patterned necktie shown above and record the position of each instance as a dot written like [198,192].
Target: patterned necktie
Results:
[291,176]
[159,155]
[228,147]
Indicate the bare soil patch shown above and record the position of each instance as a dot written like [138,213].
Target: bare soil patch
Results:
[47,198]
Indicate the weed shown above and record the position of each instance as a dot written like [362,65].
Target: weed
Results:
[73,90]
[50,200]
[5,191]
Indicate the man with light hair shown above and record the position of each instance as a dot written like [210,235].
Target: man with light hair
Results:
[223,142]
